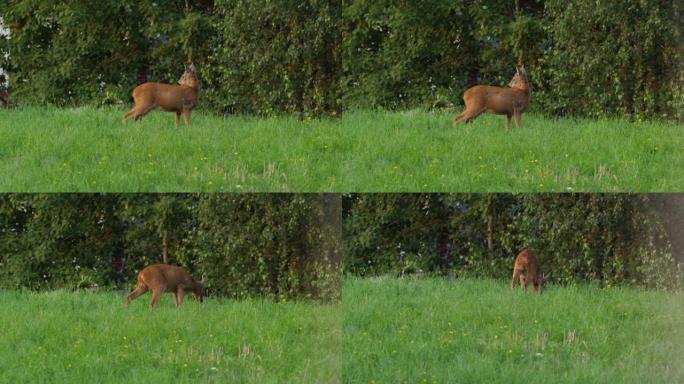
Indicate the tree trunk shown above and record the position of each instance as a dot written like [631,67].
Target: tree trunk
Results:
[490,236]
[165,249]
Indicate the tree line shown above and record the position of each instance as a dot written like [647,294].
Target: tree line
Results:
[284,246]
[297,246]
[585,57]
[609,239]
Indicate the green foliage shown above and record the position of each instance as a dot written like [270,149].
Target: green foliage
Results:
[585,57]
[84,52]
[610,239]
[399,54]
[615,58]
[275,245]
[51,241]
[279,246]
[275,56]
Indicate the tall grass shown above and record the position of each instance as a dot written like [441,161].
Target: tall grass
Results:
[84,149]
[472,331]
[63,337]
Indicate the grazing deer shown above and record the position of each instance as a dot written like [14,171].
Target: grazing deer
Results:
[172,98]
[526,269]
[511,101]
[160,278]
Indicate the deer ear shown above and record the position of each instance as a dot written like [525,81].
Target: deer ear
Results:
[204,279]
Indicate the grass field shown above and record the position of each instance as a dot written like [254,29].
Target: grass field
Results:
[62,337]
[470,331]
[48,149]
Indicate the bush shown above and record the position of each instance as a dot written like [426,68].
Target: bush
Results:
[280,246]
[603,238]
[585,58]
[275,56]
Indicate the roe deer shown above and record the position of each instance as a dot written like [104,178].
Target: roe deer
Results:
[527,270]
[502,101]
[172,98]
[160,278]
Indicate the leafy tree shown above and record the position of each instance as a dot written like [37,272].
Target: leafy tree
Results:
[78,51]
[612,57]
[280,246]
[275,56]
[605,238]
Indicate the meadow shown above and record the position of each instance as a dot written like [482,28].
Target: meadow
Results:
[82,337]
[87,149]
[477,331]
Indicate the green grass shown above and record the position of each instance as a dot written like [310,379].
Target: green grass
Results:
[48,149]
[474,331]
[63,337]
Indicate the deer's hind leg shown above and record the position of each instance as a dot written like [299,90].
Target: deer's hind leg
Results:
[460,117]
[468,116]
[139,290]
[475,115]
[128,115]
[139,113]
[517,115]
[516,274]
[186,117]
[156,296]
[179,296]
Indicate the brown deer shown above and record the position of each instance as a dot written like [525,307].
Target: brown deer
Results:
[511,101]
[160,278]
[172,98]
[526,269]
